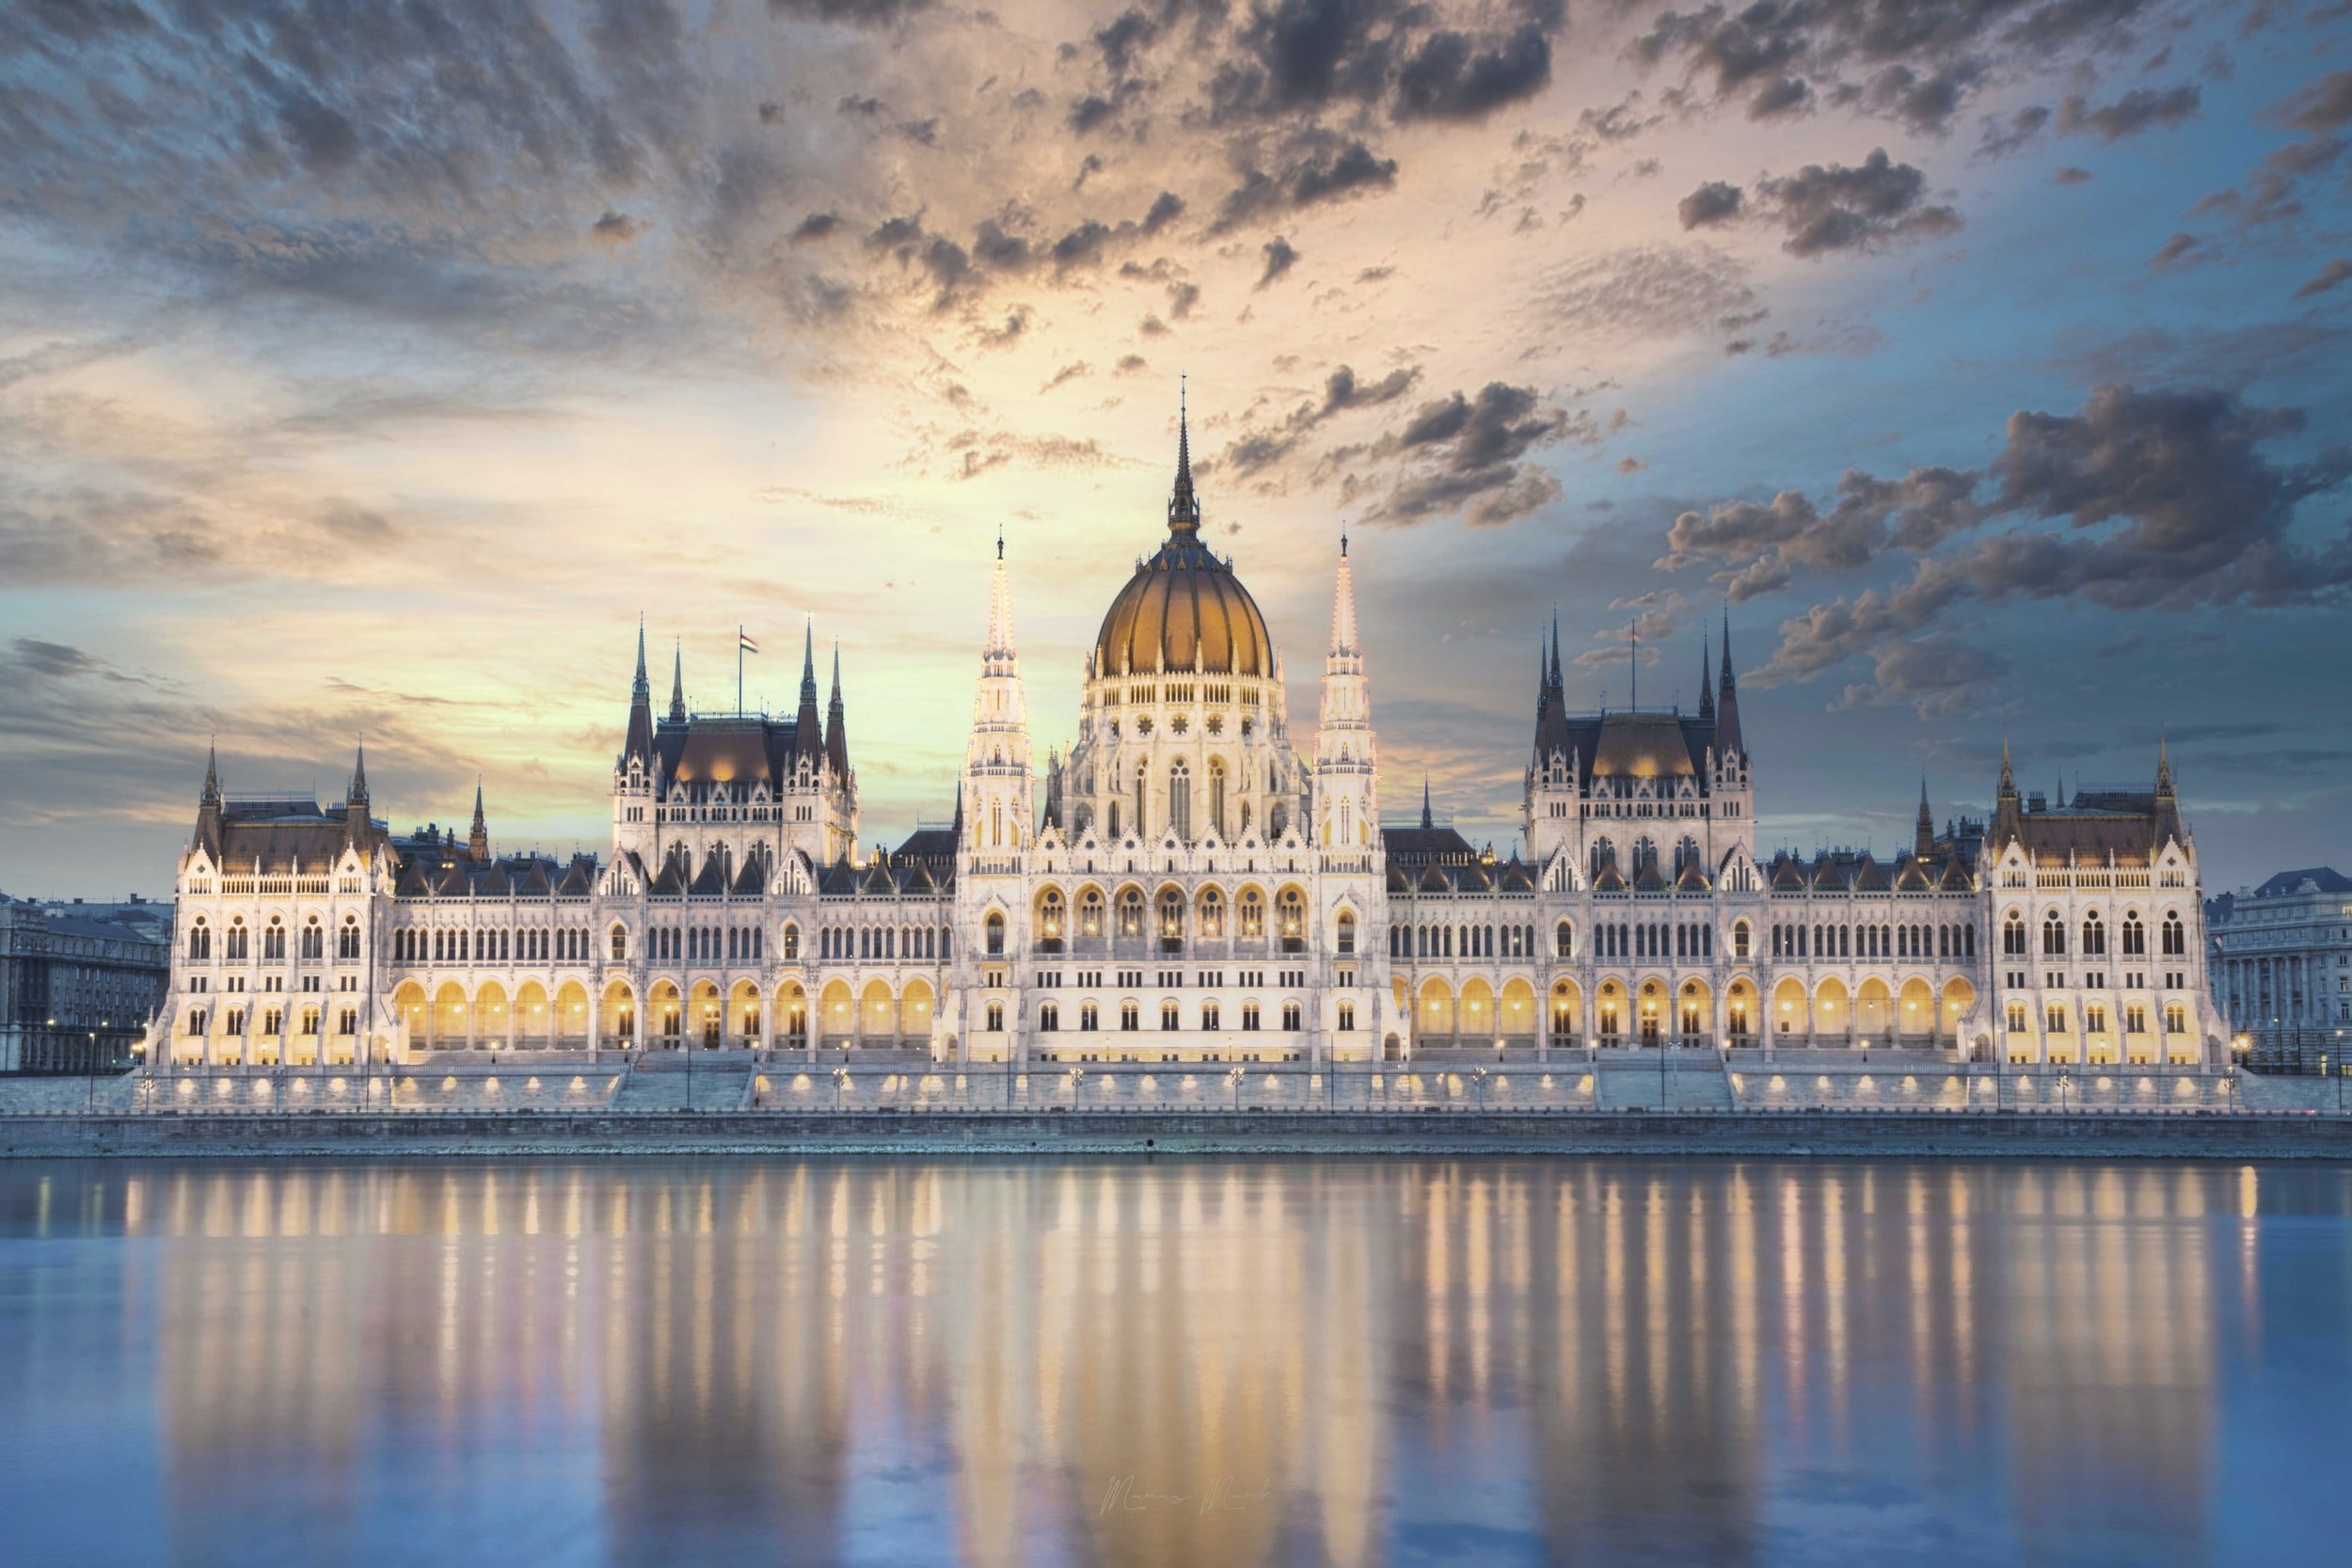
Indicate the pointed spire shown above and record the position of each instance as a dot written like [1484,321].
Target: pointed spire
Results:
[640,689]
[478,839]
[2008,778]
[210,795]
[1183,506]
[638,743]
[1633,641]
[1728,735]
[677,683]
[1707,687]
[999,607]
[1923,830]
[1426,820]
[1558,677]
[1343,642]
[2007,820]
[808,731]
[359,775]
[2164,771]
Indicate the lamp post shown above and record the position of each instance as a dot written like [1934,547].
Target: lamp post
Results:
[840,1079]
[2061,1088]
[1234,1078]
[89,1102]
[1480,1079]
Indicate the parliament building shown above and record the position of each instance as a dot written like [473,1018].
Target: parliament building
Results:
[1191,881]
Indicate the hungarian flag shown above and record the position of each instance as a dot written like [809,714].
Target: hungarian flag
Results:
[744,640]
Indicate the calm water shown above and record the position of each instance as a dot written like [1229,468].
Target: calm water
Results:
[1213,1363]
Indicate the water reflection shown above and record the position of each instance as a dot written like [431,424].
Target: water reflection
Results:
[1167,1364]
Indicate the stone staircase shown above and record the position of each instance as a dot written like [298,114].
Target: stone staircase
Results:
[1693,1084]
[666,1084]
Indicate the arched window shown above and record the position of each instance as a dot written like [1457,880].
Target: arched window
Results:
[1170,1019]
[1604,853]
[1216,799]
[347,939]
[199,942]
[2052,936]
[1564,941]
[2013,936]
[1212,914]
[1179,800]
[1050,921]
[1347,931]
[313,940]
[274,943]
[620,944]
[240,941]
[1739,940]
[1645,855]
[2175,936]
[1171,920]
[995,929]
[1291,909]
[1131,913]
[791,944]
[1091,913]
[1048,1018]
[2094,936]
[1252,914]
[1143,784]
[2135,935]
[1209,1014]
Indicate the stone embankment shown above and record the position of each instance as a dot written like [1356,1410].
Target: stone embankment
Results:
[540,1135]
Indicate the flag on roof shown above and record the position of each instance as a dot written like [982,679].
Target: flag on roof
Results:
[744,640]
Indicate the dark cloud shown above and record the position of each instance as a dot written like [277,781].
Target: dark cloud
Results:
[53,660]
[616,227]
[1827,208]
[2140,109]
[1342,392]
[2071,176]
[1463,455]
[1650,291]
[1450,77]
[862,13]
[1715,202]
[1165,209]
[2180,245]
[1310,168]
[2324,106]
[1279,257]
[2334,273]
[2002,137]
[2163,500]
[1791,95]
[817,226]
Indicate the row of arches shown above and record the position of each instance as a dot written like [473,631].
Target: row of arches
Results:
[1092,920]
[308,941]
[1687,1011]
[1930,939]
[1421,941]
[2132,937]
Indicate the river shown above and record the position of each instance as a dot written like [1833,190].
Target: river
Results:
[1413,1361]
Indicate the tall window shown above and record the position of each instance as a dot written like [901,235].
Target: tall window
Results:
[2175,937]
[1212,914]
[1739,940]
[2135,935]
[1048,1018]
[1291,908]
[1216,800]
[996,935]
[1171,921]
[274,943]
[1564,941]
[1091,913]
[2094,936]
[2013,936]
[199,940]
[1179,800]
[2052,936]
[1252,913]
[620,944]
[1169,1016]
[1050,921]
[792,944]
[1143,784]
[239,942]
[1208,1015]
[347,939]
[1347,931]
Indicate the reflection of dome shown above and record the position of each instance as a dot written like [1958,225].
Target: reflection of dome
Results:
[1183,610]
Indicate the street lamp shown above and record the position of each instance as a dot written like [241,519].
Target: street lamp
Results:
[840,1079]
[1481,1079]
[2061,1088]
[1234,1078]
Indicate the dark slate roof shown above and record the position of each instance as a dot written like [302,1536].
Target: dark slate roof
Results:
[729,750]
[1634,745]
[1418,846]
[2324,878]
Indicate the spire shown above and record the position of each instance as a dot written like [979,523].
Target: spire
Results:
[1183,506]
[478,840]
[2009,779]
[208,805]
[2164,771]
[1633,641]
[2007,820]
[677,683]
[1426,820]
[356,802]
[638,743]
[1706,690]
[1558,679]
[837,725]
[808,730]
[1343,640]
[1923,830]
[999,609]
[2167,825]
[1728,739]
[359,775]
[211,796]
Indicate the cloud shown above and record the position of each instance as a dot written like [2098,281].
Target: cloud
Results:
[1450,77]
[2164,500]
[1257,450]
[817,226]
[2324,106]
[2069,175]
[1462,454]
[1280,258]
[1715,202]
[2335,272]
[54,660]
[2180,245]
[1869,206]
[1312,169]
[1303,56]
[616,227]
[2140,109]
[2000,138]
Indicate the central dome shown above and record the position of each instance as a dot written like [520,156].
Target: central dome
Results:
[1184,610]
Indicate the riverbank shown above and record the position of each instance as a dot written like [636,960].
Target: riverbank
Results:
[2034,1135]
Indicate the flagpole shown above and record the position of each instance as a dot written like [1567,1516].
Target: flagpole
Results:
[738,667]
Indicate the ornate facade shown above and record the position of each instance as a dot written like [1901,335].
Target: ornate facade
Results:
[1194,886]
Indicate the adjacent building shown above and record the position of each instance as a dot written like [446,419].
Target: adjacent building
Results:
[1191,882]
[2282,968]
[79,984]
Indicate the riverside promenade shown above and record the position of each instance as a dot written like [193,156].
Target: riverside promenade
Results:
[1704,1105]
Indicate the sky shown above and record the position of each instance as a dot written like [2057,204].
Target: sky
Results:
[370,370]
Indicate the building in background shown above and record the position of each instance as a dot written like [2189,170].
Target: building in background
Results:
[79,982]
[1190,883]
[2282,968]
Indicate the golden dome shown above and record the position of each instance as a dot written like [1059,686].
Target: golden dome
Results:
[1184,610]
